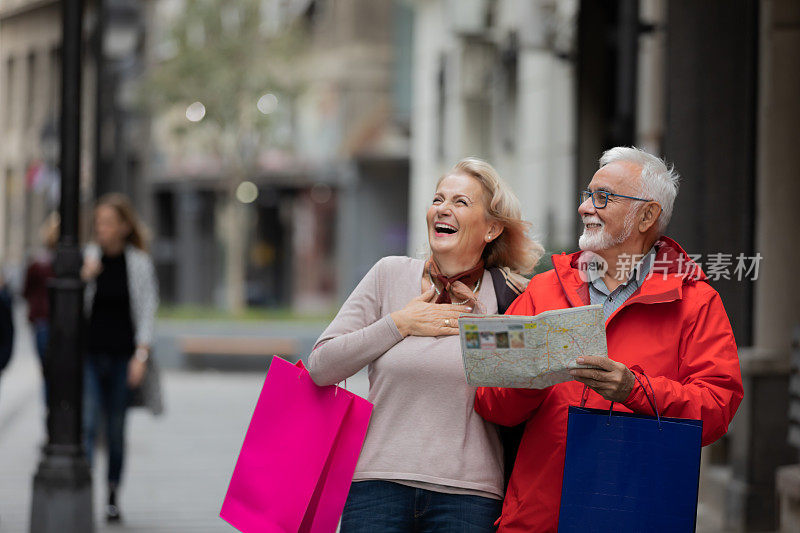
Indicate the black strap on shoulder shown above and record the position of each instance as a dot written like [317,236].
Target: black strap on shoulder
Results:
[505,294]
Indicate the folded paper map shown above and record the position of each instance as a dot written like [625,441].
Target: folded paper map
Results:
[531,352]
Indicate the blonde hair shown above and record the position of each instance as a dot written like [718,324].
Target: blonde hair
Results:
[514,248]
[120,203]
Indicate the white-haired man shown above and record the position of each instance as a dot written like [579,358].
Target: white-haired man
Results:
[663,320]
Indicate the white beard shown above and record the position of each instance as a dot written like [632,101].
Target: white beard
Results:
[600,239]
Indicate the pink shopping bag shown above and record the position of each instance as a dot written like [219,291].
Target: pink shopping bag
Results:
[298,457]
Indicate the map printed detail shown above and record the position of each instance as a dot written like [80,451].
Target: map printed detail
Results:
[530,352]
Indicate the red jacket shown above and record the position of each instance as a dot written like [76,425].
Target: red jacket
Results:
[674,328]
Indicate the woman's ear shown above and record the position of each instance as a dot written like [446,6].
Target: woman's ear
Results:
[495,229]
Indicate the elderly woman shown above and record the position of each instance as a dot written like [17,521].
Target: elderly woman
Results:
[429,462]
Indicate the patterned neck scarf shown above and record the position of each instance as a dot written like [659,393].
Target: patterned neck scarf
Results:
[455,288]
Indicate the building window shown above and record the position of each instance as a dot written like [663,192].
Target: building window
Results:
[31,92]
[508,104]
[441,106]
[9,187]
[54,85]
[8,106]
[403,38]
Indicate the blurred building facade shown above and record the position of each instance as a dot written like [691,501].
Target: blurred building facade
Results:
[112,151]
[30,42]
[321,217]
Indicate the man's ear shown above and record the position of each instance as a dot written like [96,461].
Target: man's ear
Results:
[649,216]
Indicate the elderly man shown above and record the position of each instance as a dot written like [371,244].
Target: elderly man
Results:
[662,320]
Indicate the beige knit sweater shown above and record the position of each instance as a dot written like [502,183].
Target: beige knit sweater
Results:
[424,431]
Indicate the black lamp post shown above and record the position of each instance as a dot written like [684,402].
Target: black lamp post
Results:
[62,485]
[118,38]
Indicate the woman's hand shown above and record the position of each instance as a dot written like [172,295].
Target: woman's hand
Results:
[423,318]
[138,366]
[91,268]
[136,370]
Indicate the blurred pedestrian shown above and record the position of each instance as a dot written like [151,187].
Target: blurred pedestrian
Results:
[429,462]
[35,291]
[121,301]
[6,324]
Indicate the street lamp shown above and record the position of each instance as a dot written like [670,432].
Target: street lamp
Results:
[62,485]
[119,34]
[122,29]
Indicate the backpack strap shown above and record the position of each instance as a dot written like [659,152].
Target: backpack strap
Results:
[506,288]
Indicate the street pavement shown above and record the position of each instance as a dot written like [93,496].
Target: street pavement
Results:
[178,465]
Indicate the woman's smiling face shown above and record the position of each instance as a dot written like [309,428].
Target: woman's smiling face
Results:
[458,223]
[109,228]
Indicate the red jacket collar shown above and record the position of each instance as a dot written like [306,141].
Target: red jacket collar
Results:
[671,270]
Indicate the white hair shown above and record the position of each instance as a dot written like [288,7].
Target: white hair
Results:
[659,181]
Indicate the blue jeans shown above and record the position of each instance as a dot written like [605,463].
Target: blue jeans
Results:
[386,507]
[41,334]
[105,393]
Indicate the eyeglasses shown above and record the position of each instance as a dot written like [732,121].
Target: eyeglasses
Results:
[600,198]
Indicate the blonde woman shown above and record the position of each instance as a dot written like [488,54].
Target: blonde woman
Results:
[429,462]
[121,300]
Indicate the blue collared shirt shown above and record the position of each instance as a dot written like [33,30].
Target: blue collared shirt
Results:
[599,294]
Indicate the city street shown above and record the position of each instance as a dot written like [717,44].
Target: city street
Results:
[178,465]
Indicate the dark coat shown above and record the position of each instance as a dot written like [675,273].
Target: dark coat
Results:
[6,328]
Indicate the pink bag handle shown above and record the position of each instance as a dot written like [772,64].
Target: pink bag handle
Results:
[301,367]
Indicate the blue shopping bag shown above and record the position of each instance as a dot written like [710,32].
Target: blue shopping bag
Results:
[629,472]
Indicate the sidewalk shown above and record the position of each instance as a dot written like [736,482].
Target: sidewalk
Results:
[178,466]
[21,430]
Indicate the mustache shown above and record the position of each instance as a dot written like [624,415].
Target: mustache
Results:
[592,220]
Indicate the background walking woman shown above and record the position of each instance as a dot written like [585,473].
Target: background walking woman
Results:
[37,276]
[429,462]
[121,300]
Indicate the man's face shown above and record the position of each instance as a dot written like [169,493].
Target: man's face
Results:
[612,225]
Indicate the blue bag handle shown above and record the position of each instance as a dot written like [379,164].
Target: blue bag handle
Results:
[652,401]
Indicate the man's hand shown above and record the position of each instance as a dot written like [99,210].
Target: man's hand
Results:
[611,380]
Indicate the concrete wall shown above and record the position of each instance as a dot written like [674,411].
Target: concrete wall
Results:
[776,312]
[489,82]
[776,309]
